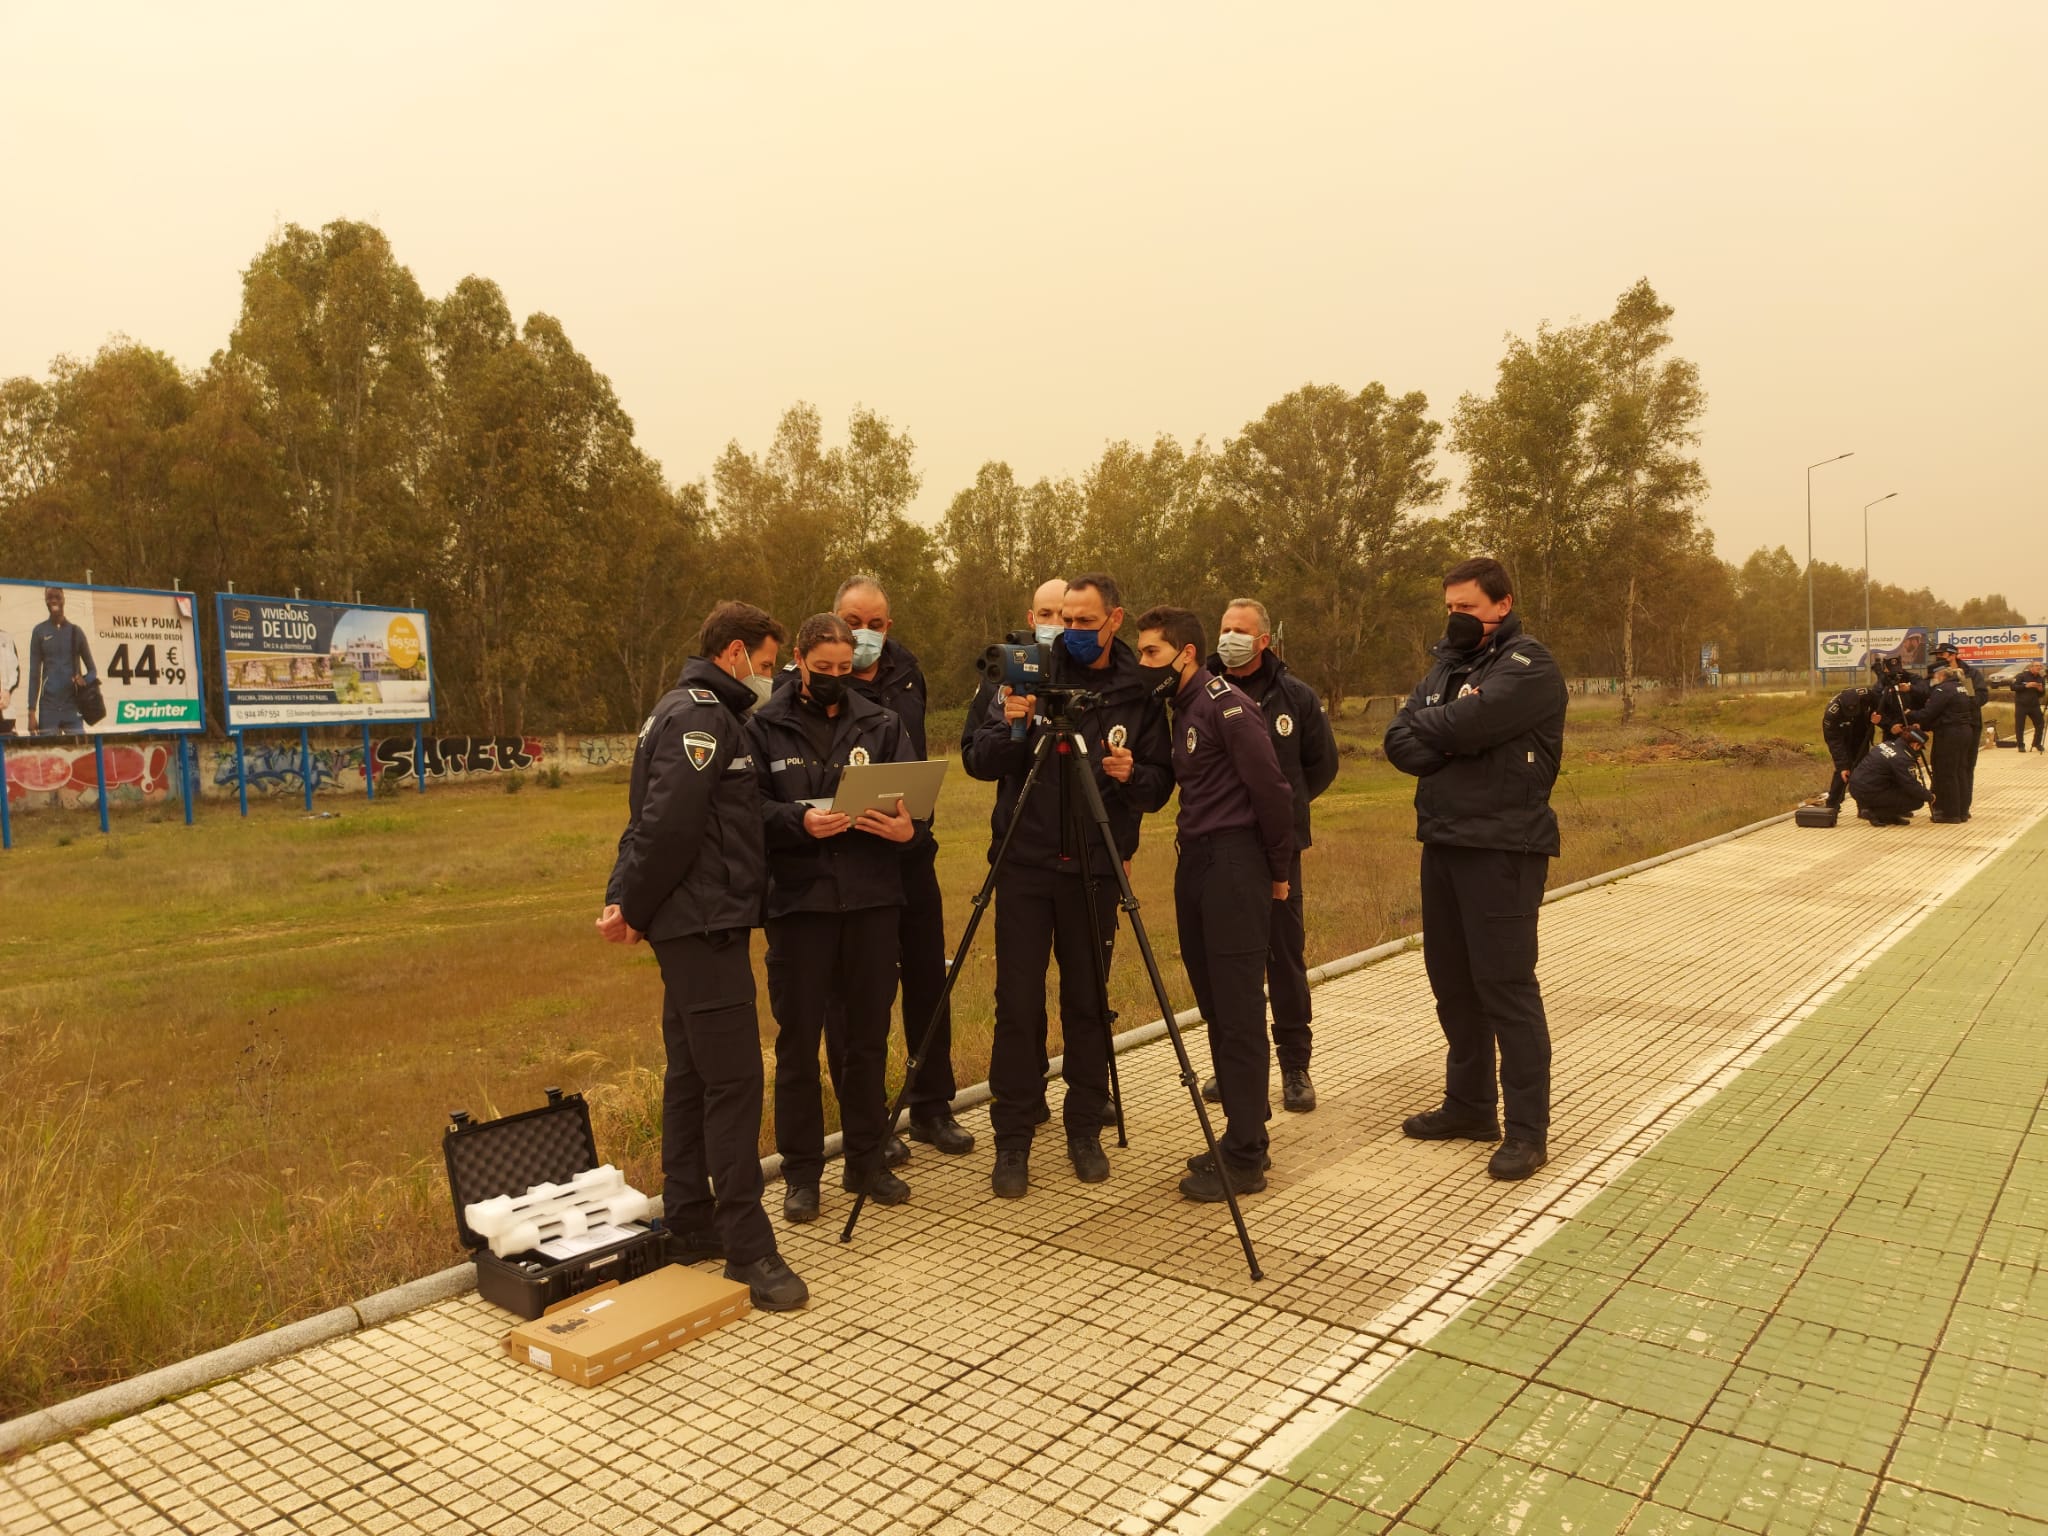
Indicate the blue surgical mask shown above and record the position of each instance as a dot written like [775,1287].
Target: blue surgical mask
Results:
[867,648]
[1048,634]
[1084,645]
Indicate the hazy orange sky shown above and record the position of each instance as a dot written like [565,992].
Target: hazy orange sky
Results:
[1023,232]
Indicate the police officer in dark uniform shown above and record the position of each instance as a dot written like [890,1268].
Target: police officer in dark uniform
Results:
[1041,907]
[2027,691]
[1974,683]
[1302,739]
[835,898]
[886,672]
[1483,734]
[1236,837]
[1950,717]
[1846,729]
[691,873]
[1886,789]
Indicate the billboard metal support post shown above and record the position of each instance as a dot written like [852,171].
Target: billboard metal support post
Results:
[306,764]
[6,825]
[99,770]
[369,766]
[419,754]
[187,764]
[241,773]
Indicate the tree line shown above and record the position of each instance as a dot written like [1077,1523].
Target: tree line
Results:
[356,436]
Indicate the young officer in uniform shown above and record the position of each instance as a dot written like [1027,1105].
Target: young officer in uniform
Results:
[1483,734]
[1886,790]
[2027,691]
[888,674]
[1307,748]
[835,899]
[1236,836]
[690,877]
[1041,905]
[1979,690]
[1846,727]
[1950,716]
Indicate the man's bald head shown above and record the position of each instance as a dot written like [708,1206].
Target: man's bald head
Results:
[1045,603]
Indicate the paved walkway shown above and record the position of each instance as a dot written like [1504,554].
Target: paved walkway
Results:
[1780,1277]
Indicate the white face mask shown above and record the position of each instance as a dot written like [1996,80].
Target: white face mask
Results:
[1235,649]
[760,685]
[1048,633]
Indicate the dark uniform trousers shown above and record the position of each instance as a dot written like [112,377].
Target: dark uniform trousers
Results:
[711,1093]
[2027,706]
[1224,907]
[1970,768]
[921,940]
[1838,787]
[1950,771]
[814,957]
[1041,916]
[1287,977]
[1479,910]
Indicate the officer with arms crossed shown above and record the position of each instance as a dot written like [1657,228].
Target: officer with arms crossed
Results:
[1483,734]
[887,673]
[1236,836]
[691,874]
[1041,908]
[2027,690]
[1846,728]
[1307,749]
[835,907]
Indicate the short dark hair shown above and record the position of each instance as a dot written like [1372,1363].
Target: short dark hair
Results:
[731,621]
[1112,597]
[821,629]
[1179,625]
[1491,575]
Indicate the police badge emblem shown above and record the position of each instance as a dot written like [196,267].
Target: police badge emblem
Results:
[1191,738]
[699,746]
[1466,691]
[1284,725]
[1118,735]
[858,757]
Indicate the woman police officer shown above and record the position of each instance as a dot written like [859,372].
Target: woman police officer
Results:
[834,890]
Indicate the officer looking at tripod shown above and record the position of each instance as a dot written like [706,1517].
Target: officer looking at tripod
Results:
[1847,727]
[1306,747]
[1952,718]
[1236,841]
[1045,906]
[2027,693]
[690,878]
[835,898]
[1886,784]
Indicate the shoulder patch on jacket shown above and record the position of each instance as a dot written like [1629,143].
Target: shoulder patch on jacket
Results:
[703,695]
[1518,656]
[700,746]
[1218,687]
[1235,709]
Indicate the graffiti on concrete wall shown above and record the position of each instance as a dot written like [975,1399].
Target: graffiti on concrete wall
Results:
[607,751]
[278,768]
[64,776]
[457,757]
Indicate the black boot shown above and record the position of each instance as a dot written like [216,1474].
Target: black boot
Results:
[1445,1125]
[1297,1093]
[800,1204]
[943,1132]
[1517,1159]
[1012,1174]
[1211,1093]
[1204,1187]
[895,1152]
[1091,1164]
[1201,1162]
[883,1187]
[773,1286]
[695,1247]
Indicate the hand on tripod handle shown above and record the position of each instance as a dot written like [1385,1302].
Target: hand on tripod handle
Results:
[1018,708]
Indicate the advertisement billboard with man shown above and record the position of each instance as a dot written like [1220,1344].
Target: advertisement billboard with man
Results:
[97,661]
[288,662]
[1838,648]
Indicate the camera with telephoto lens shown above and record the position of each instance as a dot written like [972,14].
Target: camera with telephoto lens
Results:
[1025,669]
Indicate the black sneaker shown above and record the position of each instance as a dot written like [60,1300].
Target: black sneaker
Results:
[1201,1162]
[1211,1092]
[800,1204]
[1517,1159]
[895,1152]
[883,1187]
[943,1132]
[1091,1164]
[1296,1091]
[694,1247]
[1204,1187]
[772,1284]
[1443,1125]
[1012,1174]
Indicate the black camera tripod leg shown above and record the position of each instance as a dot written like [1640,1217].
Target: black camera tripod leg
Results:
[1071,763]
[1189,1079]
[982,897]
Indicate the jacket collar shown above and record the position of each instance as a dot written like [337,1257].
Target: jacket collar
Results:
[1505,633]
[703,672]
[785,707]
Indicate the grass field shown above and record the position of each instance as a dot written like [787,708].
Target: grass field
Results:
[233,1047]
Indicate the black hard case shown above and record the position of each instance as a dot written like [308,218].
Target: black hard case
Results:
[508,1156]
[1817,815]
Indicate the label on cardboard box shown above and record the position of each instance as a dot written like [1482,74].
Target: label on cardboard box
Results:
[595,1336]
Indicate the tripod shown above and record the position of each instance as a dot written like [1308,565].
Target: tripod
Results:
[1892,711]
[1061,743]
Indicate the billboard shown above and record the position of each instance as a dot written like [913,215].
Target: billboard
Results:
[140,647]
[287,661]
[1836,648]
[1996,648]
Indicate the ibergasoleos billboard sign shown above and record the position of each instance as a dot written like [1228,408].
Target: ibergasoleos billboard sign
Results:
[97,661]
[288,661]
[2000,646]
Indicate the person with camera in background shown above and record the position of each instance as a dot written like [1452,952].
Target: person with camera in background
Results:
[835,899]
[690,877]
[1042,904]
[2027,691]
[1847,727]
[1884,784]
[1235,837]
[1951,717]
[1306,746]
[1483,734]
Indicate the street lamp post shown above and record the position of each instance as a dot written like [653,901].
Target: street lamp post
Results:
[1887,496]
[1812,671]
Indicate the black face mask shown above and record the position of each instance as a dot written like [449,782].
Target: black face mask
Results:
[826,689]
[1464,632]
[1161,679]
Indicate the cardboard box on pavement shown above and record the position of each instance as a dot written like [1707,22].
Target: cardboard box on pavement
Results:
[602,1332]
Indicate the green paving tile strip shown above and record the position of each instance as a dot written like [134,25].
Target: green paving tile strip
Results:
[1819,1305]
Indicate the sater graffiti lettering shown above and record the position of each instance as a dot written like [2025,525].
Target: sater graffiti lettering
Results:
[457,756]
